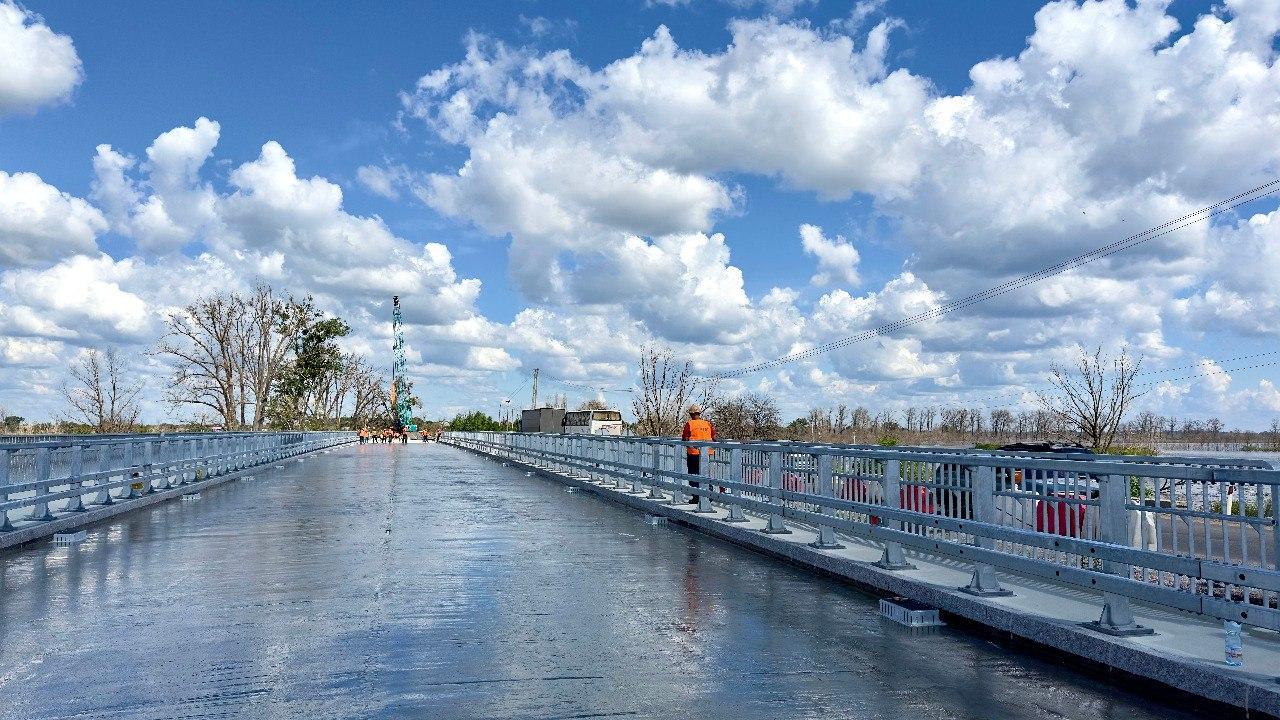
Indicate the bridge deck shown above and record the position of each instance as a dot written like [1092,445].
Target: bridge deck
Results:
[420,581]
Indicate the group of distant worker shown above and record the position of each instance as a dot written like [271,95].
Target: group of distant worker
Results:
[386,435]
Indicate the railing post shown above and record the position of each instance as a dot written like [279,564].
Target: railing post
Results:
[735,476]
[982,498]
[1113,527]
[76,502]
[777,524]
[149,461]
[633,458]
[130,462]
[704,482]
[672,461]
[168,456]
[655,490]
[4,482]
[826,534]
[104,464]
[613,450]
[893,558]
[40,510]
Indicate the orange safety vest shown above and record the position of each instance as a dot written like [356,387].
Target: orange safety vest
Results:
[699,429]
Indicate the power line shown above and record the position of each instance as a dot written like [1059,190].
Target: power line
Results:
[1131,241]
[580,386]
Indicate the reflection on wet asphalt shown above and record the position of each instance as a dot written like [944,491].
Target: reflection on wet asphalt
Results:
[418,581]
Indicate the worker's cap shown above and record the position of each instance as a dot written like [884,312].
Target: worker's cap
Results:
[695,409]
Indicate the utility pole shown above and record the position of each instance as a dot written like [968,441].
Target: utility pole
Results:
[535,389]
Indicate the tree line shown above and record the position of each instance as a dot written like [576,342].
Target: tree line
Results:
[1088,402]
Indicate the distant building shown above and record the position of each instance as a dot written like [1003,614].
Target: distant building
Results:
[593,422]
[542,420]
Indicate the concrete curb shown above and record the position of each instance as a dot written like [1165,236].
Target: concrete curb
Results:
[1254,697]
[70,521]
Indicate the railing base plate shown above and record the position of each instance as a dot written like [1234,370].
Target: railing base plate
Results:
[1131,631]
[893,566]
[984,593]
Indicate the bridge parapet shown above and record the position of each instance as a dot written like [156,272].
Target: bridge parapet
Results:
[51,481]
[1194,534]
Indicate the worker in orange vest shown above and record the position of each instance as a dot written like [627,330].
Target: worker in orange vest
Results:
[695,429]
[364,435]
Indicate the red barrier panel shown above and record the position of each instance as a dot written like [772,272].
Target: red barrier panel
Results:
[1060,518]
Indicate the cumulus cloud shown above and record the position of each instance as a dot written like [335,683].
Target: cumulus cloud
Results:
[837,258]
[38,66]
[39,223]
[610,182]
[80,298]
[168,210]
[1111,119]
[267,225]
[1240,294]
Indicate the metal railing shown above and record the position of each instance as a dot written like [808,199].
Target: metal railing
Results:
[45,479]
[1195,534]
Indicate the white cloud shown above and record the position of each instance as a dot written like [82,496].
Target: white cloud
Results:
[173,206]
[1213,376]
[837,258]
[39,223]
[1241,294]
[81,298]
[37,65]
[610,182]
[384,181]
[1266,396]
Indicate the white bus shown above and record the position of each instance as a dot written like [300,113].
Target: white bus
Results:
[593,422]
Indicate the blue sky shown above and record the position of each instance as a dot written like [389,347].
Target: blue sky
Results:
[335,85]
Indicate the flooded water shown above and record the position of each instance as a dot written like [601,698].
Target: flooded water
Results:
[417,581]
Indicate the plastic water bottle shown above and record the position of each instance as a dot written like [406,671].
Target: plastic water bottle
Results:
[1235,643]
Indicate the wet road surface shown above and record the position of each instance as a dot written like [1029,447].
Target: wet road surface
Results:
[418,581]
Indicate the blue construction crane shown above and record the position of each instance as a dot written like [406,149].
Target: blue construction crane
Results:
[401,400]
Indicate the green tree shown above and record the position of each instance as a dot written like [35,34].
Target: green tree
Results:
[475,421]
[13,422]
[305,388]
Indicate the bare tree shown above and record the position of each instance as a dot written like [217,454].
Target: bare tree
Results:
[369,396]
[666,387]
[1001,422]
[1092,397]
[841,421]
[747,417]
[818,424]
[99,395]
[266,334]
[228,351]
